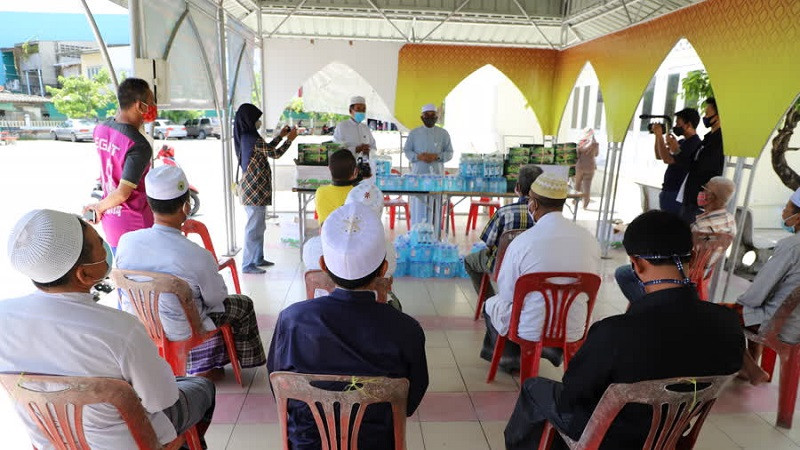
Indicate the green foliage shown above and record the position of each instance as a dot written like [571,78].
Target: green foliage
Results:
[696,86]
[181,115]
[81,97]
[296,106]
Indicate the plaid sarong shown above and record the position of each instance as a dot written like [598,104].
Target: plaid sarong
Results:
[211,354]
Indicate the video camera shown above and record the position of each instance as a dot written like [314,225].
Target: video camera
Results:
[364,170]
[666,124]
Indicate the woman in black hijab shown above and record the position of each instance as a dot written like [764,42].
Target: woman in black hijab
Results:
[255,187]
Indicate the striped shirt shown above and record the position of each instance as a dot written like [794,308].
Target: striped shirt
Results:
[719,221]
[509,217]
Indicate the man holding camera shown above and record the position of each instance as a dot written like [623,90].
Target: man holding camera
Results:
[678,154]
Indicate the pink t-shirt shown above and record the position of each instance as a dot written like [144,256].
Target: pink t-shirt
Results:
[125,158]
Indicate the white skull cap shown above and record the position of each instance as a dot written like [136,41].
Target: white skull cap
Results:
[45,244]
[353,242]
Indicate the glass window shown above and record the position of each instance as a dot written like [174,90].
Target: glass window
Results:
[575,98]
[598,110]
[672,94]
[585,110]
[647,103]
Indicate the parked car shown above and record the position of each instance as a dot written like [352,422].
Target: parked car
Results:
[202,127]
[74,130]
[165,129]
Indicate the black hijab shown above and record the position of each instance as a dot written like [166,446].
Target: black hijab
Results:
[245,132]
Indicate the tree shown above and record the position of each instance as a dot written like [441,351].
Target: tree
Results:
[81,97]
[181,115]
[696,86]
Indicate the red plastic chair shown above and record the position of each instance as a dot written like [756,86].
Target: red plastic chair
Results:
[452,215]
[318,279]
[369,390]
[393,204]
[682,413]
[58,413]
[768,336]
[505,239]
[197,227]
[558,298]
[701,268]
[144,289]
[472,218]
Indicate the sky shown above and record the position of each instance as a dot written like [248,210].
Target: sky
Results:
[62,6]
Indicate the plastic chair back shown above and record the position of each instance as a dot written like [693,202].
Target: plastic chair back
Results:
[144,290]
[678,414]
[707,249]
[502,246]
[59,413]
[197,227]
[318,279]
[367,391]
[559,289]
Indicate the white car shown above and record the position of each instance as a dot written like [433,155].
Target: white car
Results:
[165,129]
[74,129]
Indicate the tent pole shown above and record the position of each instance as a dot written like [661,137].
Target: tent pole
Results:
[100,43]
[263,49]
[227,167]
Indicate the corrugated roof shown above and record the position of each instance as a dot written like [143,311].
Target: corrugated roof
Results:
[10,97]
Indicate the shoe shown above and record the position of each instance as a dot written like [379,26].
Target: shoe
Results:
[253,270]
[554,355]
[265,263]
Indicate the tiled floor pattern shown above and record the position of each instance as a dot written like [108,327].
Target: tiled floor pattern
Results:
[460,410]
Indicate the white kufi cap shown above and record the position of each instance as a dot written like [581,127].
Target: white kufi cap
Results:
[45,244]
[165,183]
[356,99]
[796,198]
[367,194]
[429,107]
[353,242]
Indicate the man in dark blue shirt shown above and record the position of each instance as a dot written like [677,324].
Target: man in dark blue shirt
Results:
[677,154]
[348,332]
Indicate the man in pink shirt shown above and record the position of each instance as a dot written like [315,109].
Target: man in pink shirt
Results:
[125,157]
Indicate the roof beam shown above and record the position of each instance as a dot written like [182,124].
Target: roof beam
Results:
[535,25]
[275,30]
[380,11]
[627,13]
[455,11]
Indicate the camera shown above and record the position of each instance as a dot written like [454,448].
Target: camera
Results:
[364,170]
[666,124]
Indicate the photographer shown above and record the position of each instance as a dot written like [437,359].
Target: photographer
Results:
[708,162]
[678,154]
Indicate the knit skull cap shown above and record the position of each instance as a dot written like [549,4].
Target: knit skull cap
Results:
[356,99]
[369,195]
[353,242]
[165,183]
[550,186]
[428,107]
[796,198]
[45,244]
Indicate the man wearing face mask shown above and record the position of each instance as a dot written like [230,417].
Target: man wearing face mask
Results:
[125,158]
[773,284]
[553,244]
[678,155]
[708,162]
[355,135]
[60,330]
[427,148]
[164,249]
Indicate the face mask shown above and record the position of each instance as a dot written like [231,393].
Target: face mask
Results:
[788,228]
[429,122]
[109,260]
[359,116]
[258,124]
[707,120]
[151,114]
[677,131]
[701,199]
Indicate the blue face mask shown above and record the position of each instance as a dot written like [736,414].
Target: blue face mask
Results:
[788,228]
[109,260]
[359,116]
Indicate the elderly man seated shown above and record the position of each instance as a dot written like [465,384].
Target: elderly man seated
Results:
[509,217]
[163,248]
[348,332]
[669,333]
[555,244]
[713,198]
[60,330]
[773,284]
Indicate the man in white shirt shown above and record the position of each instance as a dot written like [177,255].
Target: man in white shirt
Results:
[60,330]
[355,135]
[555,244]
[164,249]
[427,148]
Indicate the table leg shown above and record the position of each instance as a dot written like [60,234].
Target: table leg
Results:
[301,223]
[435,199]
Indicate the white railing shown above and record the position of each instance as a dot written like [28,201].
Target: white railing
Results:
[33,124]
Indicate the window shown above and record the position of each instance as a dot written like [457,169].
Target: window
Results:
[585,110]
[575,98]
[598,110]
[92,71]
[647,103]
[672,94]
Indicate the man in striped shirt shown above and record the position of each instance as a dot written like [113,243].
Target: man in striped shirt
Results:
[510,217]
[713,197]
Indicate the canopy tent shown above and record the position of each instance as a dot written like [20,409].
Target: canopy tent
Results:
[747,47]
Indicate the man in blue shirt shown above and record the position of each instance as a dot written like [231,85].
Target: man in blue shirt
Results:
[348,332]
[509,217]
[427,148]
[678,155]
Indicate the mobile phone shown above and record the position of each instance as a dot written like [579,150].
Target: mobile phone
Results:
[90,216]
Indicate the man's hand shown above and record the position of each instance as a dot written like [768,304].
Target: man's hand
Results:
[97,214]
[363,148]
[428,157]
[658,129]
[290,134]
[285,130]
[672,144]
